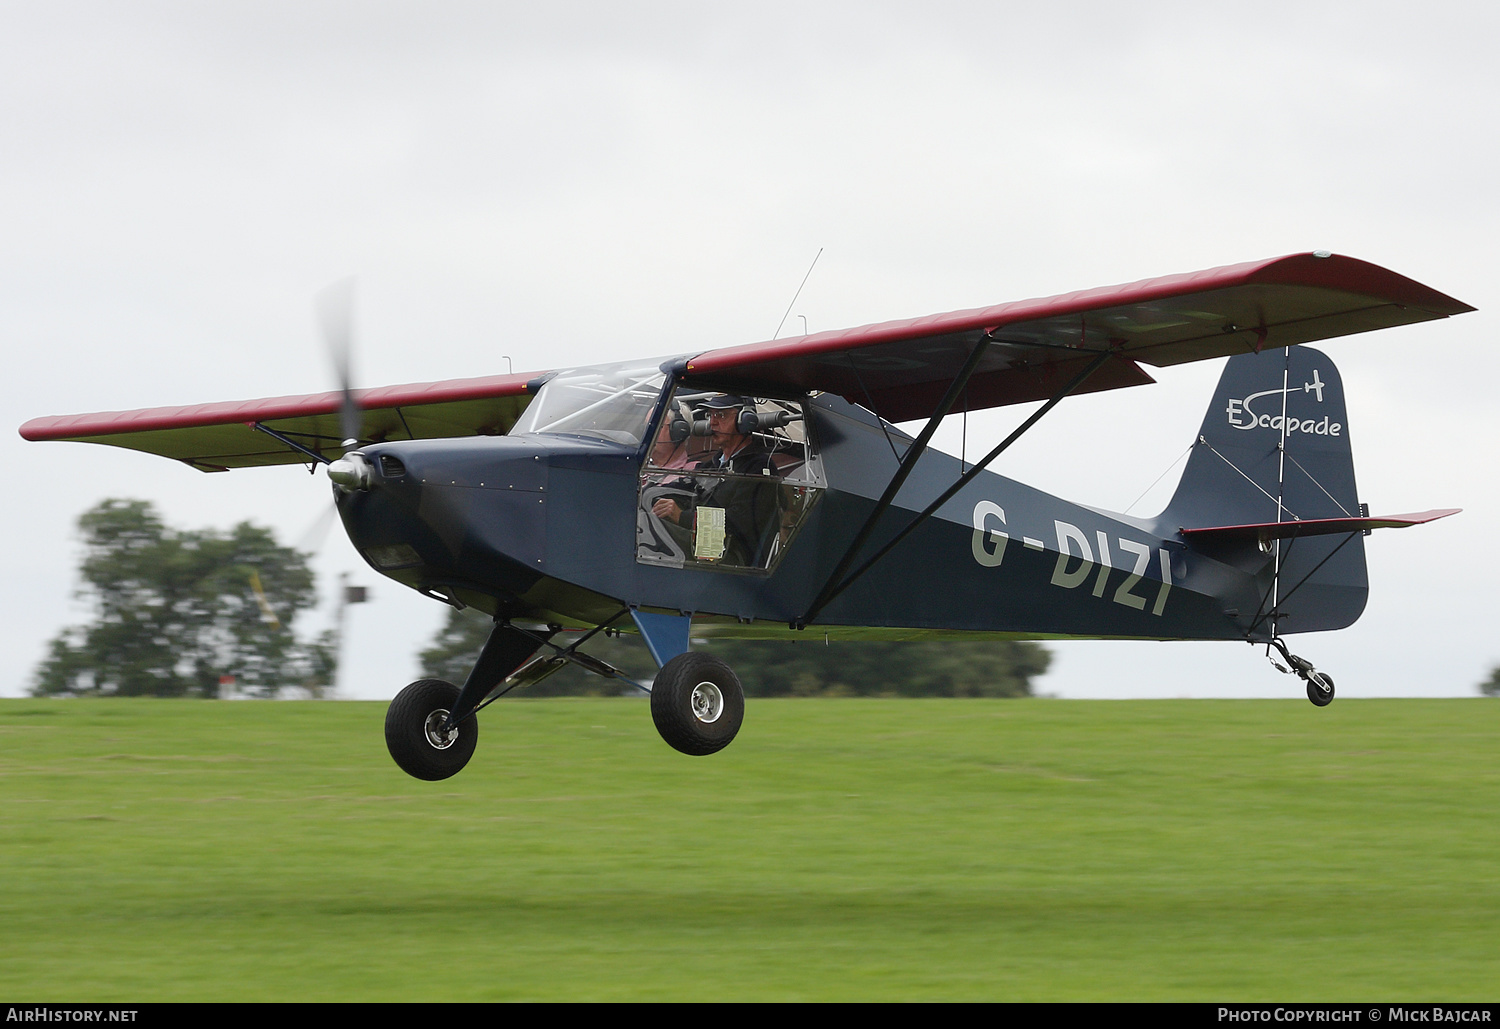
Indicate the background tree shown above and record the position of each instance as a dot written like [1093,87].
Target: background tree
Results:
[804,667]
[175,612]
[1491,686]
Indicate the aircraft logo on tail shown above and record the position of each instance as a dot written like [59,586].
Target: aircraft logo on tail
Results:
[1241,416]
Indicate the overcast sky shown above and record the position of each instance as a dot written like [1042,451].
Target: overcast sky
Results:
[572,183]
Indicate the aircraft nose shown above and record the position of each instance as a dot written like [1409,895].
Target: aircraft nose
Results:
[450,511]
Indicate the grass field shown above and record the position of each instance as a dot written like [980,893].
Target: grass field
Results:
[840,849]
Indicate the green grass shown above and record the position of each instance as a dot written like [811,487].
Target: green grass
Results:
[840,849]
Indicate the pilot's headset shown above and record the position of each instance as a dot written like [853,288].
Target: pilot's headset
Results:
[752,419]
[686,422]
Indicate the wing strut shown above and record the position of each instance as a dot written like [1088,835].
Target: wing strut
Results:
[319,458]
[913,452]
[834,586]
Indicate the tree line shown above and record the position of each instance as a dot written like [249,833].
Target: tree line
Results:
[208,612]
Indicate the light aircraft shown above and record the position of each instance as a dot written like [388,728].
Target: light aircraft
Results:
[764,490]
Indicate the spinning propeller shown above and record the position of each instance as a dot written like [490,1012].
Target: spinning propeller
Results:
[335,307]
[336,313]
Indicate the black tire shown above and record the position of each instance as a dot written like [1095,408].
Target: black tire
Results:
[697,704]
[411,731]
[1319,696]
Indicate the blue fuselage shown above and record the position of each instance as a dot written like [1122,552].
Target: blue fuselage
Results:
[543,527]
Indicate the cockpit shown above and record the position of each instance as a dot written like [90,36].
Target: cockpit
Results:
[727,479]
[727,482]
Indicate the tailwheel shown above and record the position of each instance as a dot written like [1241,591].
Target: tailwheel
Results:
[1320,688]
[697,704]
[418,736]
[1319,684]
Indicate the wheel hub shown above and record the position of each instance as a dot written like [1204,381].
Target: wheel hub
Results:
[708,702]
[433,729]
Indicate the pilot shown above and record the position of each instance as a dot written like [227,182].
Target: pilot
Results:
[750,505]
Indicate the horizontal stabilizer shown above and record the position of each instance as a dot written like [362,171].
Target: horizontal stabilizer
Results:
[1266,531]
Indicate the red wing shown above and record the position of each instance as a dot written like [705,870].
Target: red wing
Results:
[215,437]
[898,369]
[1266,531]
[901,369]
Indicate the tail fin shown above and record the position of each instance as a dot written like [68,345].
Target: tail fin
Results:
[1274,447]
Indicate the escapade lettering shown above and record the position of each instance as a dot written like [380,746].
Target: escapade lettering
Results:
[1242,417]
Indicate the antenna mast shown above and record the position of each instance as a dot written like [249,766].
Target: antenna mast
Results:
[798,293]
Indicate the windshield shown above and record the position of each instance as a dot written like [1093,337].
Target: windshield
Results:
[606,403]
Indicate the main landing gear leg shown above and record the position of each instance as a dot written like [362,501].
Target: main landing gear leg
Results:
[1319,684]
[430,728]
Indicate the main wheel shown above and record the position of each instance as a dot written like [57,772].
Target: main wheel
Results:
[414,731]
[1320,688]
[697,703]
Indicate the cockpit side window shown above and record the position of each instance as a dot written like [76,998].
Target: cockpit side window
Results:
[727,482]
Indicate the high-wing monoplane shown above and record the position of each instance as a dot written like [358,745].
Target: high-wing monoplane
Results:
[763,490]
